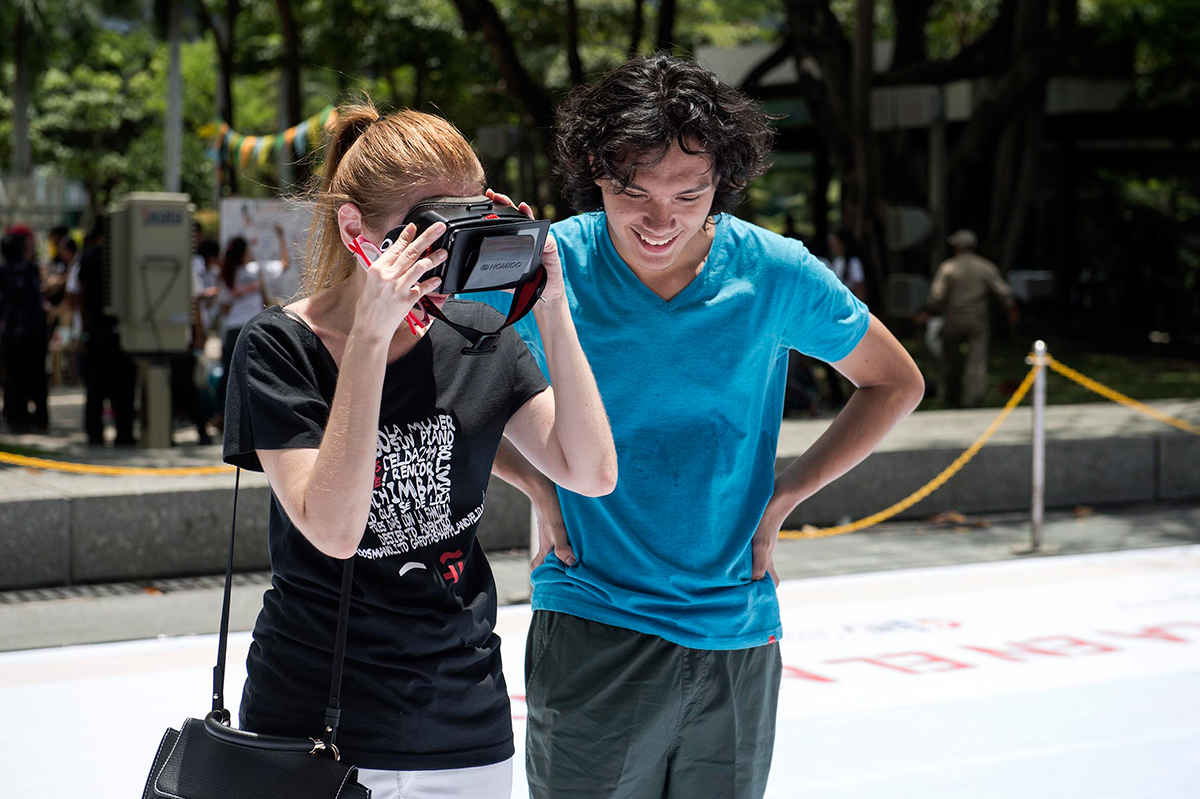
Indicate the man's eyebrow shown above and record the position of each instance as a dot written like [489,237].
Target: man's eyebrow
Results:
[692,190]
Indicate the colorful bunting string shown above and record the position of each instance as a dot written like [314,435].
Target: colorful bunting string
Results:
[233,148]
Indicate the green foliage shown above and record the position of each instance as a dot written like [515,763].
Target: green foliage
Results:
[953,24]
[108,101]
[1166,40]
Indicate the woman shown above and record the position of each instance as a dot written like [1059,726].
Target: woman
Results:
[239,294]
[378,439]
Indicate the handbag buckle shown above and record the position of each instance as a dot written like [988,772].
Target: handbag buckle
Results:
[321,746]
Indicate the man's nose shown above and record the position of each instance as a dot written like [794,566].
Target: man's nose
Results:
[658,218]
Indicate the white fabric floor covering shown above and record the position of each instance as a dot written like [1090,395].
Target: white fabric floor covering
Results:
[1062,677]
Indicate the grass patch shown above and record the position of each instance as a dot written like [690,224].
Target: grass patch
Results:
[1141,377]
[30,452]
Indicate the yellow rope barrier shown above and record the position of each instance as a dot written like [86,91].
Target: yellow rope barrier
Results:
[934,484]
[1118,397]
[110,471]
[842,529]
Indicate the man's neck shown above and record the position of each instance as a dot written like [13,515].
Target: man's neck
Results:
[667,283]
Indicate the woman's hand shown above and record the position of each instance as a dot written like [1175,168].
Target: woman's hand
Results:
[554,280]
[393,284]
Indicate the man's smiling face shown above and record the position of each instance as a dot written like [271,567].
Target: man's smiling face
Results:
[664,207]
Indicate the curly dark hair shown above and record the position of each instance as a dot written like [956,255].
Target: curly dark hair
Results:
[630,117]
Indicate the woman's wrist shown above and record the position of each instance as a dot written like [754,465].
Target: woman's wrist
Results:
[364,338]
[552,314]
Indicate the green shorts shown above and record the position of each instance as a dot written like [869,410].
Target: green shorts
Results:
[623,715]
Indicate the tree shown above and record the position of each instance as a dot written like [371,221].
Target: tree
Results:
[541,72]
[90,116]
[1027,41]
[223,27]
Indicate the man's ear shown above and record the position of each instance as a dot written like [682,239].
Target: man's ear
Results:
[349,223]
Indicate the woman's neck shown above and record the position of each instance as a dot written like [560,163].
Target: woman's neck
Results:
[330,313]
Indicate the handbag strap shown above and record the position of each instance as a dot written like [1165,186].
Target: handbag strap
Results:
[333,711]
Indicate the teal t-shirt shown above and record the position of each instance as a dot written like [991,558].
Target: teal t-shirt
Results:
[693,388]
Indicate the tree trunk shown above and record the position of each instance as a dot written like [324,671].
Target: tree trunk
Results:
[863,205]
[174,128]
[773,59]
[481,16]
[22,161]
[222,31]
[293,102]
[911,16]
[638,27]
[420,83]
[665,39]
[573,60]
[1013,183]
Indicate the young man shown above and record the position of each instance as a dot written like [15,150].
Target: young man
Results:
[652,664]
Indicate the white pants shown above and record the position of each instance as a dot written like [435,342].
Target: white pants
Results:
[481,782]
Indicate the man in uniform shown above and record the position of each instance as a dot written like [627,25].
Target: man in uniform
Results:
[960,292]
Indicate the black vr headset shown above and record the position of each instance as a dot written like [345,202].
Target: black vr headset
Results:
[488,247]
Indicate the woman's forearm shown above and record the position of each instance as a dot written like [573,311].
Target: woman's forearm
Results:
[515,469]
[337,493]
[580,425]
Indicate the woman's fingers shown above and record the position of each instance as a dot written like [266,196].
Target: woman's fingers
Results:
[418,268]
[409,246]
[497,197]
[406,236]
[504,199]
[429,286]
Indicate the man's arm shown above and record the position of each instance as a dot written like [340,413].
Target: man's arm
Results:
[999,286]
[513,468]
[890,386]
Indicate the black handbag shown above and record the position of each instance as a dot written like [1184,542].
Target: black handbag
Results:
[208,759]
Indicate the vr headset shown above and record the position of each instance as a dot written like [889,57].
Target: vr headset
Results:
[488,247]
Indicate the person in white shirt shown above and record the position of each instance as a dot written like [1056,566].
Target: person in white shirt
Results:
[847,266]
[281,280]
[240,295]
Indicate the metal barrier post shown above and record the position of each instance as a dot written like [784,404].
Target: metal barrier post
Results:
[1037,509]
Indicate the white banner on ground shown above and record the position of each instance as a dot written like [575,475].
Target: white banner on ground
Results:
[1056,677]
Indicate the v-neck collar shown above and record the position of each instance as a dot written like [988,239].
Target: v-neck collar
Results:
[626,274]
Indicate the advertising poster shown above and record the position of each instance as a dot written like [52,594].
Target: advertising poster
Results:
[256,219]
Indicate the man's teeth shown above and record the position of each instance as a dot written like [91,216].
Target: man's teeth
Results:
[653,242]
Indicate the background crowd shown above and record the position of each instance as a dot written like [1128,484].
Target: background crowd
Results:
[54,328]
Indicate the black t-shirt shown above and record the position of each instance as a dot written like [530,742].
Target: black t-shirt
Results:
[423,687]
[21,313]
[99,328]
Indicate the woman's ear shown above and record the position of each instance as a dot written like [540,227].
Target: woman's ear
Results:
[349,223]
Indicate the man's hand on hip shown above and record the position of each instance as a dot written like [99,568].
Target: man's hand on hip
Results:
[552,532]
[763,545]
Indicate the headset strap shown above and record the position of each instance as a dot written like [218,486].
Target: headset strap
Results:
[525,296]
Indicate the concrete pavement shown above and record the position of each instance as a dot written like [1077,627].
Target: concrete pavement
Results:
[66,529]
[136,610]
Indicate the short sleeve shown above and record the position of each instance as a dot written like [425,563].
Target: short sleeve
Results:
[274,399]
[527,379]
[824,319]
